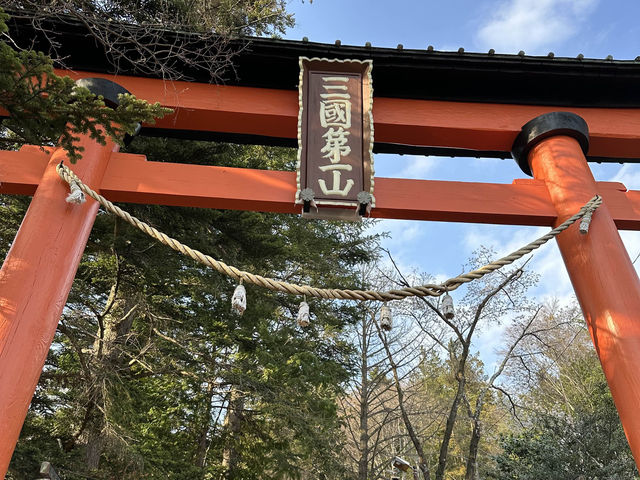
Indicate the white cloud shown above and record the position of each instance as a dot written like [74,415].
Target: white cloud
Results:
[403,237]
[487,342]
[631,241]
[629,175]
[414,166]
[534,26]
[401,232]
[503,239]
[546,262]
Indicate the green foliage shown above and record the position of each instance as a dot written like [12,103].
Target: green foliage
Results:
[45,109]
[150,374]
[588,445]
[573,430]
[149,353]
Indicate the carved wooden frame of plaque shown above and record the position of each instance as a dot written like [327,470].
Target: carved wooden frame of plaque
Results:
[336,66]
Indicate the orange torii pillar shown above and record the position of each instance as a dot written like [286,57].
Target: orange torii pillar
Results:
[37,275]
[553,147]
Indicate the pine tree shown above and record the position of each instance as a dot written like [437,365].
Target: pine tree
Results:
[45,109]
[151,371]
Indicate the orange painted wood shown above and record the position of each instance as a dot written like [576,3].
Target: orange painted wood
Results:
[131,178]
[35,280]
[135,180]
[215,108]
[525,202]
[477,126]
[604,279]
[21,171]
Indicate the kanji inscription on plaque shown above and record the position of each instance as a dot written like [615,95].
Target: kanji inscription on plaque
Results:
[335,139]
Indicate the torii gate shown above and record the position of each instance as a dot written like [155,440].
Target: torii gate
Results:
[38,272]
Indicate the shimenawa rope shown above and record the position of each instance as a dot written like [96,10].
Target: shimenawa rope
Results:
[434,290]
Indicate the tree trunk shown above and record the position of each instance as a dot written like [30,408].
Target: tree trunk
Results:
[203,440]
[95,446]
[460,374]
[363,464]
[472,460]
[232,425]
[417,444]
[451,420]
[106,357]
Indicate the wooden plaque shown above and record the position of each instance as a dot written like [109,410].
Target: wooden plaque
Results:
[335,134]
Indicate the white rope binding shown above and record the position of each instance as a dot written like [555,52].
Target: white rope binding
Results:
[77,195]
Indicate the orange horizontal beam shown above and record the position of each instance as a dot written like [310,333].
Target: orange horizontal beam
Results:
[615,133]
[131,178]
[21,171]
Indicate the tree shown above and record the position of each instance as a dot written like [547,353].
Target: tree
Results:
[570,423]
[45,109]
[172,39]
[149,358]
[150,372]
[368,406]
[449,375]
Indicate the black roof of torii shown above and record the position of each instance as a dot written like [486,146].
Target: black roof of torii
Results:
[397,72]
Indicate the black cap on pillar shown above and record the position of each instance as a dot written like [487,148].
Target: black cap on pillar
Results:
[109,91]
[101,86]
[545,126]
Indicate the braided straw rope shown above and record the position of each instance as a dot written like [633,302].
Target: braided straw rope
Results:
[429,289]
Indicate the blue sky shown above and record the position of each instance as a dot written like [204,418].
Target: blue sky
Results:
[595,28]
